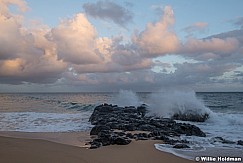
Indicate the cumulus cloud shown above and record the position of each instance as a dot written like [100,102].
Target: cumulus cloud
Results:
[25,54]
[109,10]
[4,6]
[118,57]
[44,55]
[213,45]
[72,53]
[76,41]
[36,61]
[10,37]
[158,38]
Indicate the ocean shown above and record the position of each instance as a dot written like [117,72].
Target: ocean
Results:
[69,112]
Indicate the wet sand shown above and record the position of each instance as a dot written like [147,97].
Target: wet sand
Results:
[54,147]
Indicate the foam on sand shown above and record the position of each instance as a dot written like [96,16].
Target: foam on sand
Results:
[44,122]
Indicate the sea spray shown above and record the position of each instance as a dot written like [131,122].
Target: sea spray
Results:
[168,103]
[164,103]
[126,98]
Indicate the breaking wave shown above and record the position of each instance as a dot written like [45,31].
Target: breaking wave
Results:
[44,122]
[164,104]
[126,98]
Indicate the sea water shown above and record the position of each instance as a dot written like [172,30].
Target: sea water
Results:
[70,112]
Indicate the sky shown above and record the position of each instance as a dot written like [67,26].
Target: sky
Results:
[104,45]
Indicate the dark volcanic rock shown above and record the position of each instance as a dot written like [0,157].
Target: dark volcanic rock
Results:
[189,130]
[180,146]
[222,140]
[146,127]
[108,118]
[240,142]
[190,117]
[142,109]
[96,129]
[95,144]
[121,141]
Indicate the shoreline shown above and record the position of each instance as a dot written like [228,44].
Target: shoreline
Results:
[16,148]
[78,138]
[75,141]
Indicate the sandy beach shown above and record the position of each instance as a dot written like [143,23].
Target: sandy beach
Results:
[22,148]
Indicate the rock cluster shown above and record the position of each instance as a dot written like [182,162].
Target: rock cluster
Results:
[112,122]
[240,142]
[191,117]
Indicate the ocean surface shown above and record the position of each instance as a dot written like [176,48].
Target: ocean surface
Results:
[68,112]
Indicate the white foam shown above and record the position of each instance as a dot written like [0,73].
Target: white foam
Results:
[44,122]
[228,126]
[170,102]
[126,98]
[168,148]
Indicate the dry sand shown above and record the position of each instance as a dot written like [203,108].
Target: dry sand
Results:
[22,150]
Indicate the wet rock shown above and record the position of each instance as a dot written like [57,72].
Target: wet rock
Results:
[146,127]
[142,110]
[121,133]
[129,135]
[240,142]
[156,133]
[130,109]
[222,140]
[98,128]
[95,144]
[141,136]
[108,118]
[180,146]
[129,127]
[190,117]
[122,141]
[189,130]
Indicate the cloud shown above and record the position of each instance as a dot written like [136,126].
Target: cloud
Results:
[44,55]
[237,34]
[109,10]
[238,22]
[36,61]
[158,38]
[118,57]
[213,45]
[25,54]
[4,6]
[73,54]
[158,9]
[76,41]
[10,36]
[196,27]
[10,29]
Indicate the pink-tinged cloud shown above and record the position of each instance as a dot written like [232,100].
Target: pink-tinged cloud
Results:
[111,67]
[10,37]
[76,41]
[159,38]
[25,54]
[36,60]
[198,26]
[4,6]
[74,53]
[212,45]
